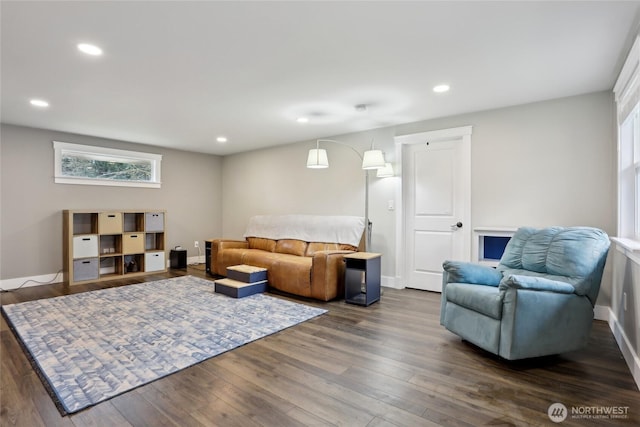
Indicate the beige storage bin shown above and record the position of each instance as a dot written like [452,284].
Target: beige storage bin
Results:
[133,243]
[110,222]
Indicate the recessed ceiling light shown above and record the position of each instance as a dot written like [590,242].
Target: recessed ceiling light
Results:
[302,120]
[89,49]
[441,88]
[221,139]
[39,103]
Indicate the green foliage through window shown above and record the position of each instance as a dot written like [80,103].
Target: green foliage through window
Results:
[75,165]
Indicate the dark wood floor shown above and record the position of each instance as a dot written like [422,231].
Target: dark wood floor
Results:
[390,364]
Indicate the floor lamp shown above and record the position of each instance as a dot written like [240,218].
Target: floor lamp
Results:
[371,159]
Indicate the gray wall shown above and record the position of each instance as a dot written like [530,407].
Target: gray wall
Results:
[541,164]
[31,203]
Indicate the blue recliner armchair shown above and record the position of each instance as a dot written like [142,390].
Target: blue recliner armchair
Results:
[538,301]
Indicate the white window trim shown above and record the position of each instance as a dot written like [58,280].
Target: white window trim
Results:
[60,147]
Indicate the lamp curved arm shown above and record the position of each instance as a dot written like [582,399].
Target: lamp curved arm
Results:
[366,185]
[341,143]
[366,189]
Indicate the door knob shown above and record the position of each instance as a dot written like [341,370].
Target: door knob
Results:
[456,225]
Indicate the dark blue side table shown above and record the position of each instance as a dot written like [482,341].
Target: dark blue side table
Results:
[362,278]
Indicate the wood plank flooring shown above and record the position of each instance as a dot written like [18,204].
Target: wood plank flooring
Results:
[389,364]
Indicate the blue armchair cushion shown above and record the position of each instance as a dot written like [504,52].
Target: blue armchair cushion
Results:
[574,254]
[466,272]
[559,251]
[482,299]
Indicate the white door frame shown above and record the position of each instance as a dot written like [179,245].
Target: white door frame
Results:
[464,133]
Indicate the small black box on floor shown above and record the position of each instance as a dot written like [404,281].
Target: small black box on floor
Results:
[237,289]
[247,273]
[178,258]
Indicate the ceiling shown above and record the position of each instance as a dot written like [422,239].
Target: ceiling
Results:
[179,74]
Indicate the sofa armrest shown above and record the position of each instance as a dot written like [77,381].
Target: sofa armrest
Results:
[327,274]
[541,316]
[467,272]
[219,245]
[535,283]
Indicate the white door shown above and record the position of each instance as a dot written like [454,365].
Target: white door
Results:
[436,198]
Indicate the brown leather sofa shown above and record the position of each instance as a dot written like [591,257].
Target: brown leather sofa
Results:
[308,269]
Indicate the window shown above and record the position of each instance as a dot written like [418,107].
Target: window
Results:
[629,176]
[90,165]
[627,96]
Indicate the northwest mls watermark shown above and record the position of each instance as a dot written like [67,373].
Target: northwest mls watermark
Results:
[558,412]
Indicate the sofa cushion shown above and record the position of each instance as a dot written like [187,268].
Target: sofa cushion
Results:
[291,273]
[314,247]
[260,258]
[480,298]
[291,247]
[268,245]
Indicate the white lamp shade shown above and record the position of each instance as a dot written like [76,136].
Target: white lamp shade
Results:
[317,159]
[373,159]
[385,172]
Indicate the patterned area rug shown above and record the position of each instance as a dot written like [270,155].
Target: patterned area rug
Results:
[92,346]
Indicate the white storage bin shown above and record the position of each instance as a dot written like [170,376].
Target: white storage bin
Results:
[85,269]
[85,246]
[154,261]
[153,221]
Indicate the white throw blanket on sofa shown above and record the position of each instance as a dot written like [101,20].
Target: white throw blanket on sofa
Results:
[309,228]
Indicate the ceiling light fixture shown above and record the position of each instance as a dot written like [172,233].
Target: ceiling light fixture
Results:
[302,120]
[221,139]
[441,88]
[89,49]
[39,103]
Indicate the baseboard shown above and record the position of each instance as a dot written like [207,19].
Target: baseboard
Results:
[191,260]
[628,352]
[26,282]
[50,279]
[196,260]
[601,312]
[390,282]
